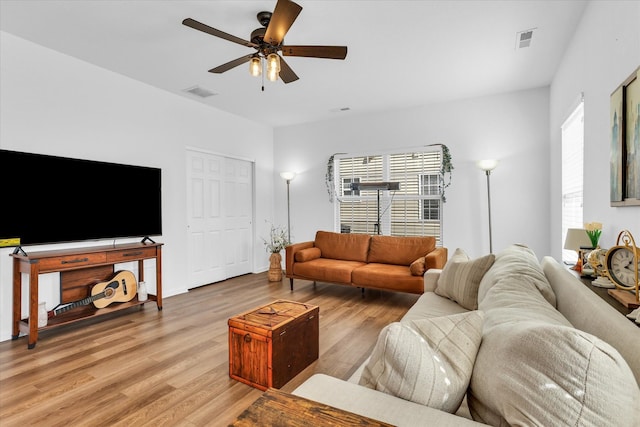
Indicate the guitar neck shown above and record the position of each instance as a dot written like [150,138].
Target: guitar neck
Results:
[85,301]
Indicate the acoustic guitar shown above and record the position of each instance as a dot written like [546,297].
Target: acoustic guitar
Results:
[121,288]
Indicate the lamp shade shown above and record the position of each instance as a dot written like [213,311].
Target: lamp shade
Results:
[290,175]
[576,237]
[487,165]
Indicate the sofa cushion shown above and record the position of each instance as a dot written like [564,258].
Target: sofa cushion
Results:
[517,262]
[399,250]
[418,267]
[431,305]
[543,374]
[308,254]
[429,362]
[348,247]
[461,277]
[387,276]
[326,270]
[510,301]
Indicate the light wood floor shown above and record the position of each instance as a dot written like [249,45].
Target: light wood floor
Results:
[170,367]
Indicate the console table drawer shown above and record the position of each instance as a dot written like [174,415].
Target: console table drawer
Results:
[131,254]
[71,261]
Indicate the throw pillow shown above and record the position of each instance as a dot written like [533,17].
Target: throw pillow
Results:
[533,373]
[418,267]
[428,362]
[308,254]
[461,276]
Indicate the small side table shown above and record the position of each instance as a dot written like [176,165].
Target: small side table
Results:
[271,344]
[276,408]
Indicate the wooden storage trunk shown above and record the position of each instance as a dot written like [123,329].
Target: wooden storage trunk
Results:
[270,345]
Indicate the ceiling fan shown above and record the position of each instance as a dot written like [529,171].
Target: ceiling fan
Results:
[268,41]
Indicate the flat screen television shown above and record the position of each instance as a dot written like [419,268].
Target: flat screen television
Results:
[50,199]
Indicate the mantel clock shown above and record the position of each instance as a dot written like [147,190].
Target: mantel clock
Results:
[623,264]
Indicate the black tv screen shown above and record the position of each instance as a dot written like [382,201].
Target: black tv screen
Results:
[49,199]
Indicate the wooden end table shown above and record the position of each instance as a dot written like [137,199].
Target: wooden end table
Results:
[271,344]
[277,408]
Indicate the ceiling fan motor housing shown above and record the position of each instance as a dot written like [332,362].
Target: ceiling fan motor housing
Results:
[257,35]
[264,18]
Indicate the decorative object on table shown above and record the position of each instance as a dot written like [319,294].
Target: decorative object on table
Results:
[585,270]
[278,240]
[487,166]
[574,240]
[622,263]
[43,318]
[143,295]
[635,315]
[594,230]
[596,259]
[625,142]
[288,176]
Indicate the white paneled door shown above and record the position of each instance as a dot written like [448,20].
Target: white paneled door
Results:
[220,216]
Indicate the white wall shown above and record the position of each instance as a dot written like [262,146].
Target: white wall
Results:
[55,104]
[604,51]
[511,127]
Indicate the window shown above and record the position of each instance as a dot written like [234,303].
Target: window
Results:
[413,210]
[572,176]
[430,185]
[347,190]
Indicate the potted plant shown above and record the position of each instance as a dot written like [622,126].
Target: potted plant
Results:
[278,240]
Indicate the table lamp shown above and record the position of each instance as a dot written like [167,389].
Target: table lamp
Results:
[575,239]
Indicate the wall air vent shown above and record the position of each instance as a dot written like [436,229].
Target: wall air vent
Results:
[199,92]
[523,38]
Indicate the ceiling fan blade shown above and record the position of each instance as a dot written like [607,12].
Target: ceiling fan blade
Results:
[331,52]
[282,18]
[231,64]
[214,32]
[286,73]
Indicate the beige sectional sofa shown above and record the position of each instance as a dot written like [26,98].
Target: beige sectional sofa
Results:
[504,340]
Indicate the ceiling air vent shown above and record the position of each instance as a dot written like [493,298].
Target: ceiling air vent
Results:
[523,38]
[199,92]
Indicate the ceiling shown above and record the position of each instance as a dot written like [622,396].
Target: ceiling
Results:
[400,53]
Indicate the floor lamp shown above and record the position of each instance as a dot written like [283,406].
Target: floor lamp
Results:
[487,166]
[288,176]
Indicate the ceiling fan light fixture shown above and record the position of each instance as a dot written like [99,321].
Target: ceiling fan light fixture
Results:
[273,66]
[272,75]
[255,66]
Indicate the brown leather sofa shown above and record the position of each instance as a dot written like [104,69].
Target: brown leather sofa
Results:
[365,261]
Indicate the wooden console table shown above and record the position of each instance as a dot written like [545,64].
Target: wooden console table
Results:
[277,408]
[79,268]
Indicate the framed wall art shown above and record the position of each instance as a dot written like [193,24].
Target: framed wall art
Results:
[625,142]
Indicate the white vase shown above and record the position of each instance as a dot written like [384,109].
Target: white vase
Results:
[142,291]
[43,318]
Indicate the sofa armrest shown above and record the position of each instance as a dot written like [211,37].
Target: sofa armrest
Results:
[436,258]
[431,277]
[290,255]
